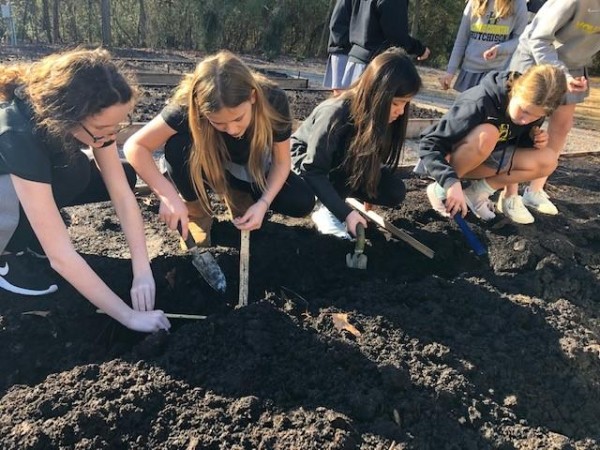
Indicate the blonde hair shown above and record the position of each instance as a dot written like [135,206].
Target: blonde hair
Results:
[65,88]
[375,141]
[224,81]
[542,85]
[502,8]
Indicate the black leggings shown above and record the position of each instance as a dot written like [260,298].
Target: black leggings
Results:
[78,183]
[295,199]
[391,190]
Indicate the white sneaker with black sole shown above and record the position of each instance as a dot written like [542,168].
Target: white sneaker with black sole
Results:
[22,275]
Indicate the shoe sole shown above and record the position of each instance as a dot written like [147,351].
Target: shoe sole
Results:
[536,208]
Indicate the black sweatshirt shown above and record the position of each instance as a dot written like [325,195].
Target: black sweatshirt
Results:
[485,103]
[318,149]
[339,28]
[379,24]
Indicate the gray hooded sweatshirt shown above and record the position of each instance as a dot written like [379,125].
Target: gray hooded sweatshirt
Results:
[478,34]
[565,33]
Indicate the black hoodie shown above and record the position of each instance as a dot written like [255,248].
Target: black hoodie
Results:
[339,28]
[485,103]
[379,24]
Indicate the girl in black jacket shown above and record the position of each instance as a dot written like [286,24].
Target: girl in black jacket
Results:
[492,134]
[350,145]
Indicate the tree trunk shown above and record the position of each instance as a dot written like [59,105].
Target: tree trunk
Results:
[106,27]
[414,28]
[56,21]
[142,24]
[46,20]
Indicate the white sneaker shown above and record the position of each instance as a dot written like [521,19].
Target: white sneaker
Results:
[437,203]
[479,203]
[327,223]
[513,208]
[539,201]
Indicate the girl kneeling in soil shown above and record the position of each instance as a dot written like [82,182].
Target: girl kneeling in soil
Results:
[228,129]
[492,135]
[50,109]
[351,145]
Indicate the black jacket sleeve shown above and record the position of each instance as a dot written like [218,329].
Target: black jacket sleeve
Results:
[324,140]
[393,18]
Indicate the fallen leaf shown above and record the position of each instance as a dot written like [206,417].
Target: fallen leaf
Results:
[36,313]
[340,321]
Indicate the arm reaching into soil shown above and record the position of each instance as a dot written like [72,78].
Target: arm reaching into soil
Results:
[43,214]
[143,289]
[138,151]
[279,172]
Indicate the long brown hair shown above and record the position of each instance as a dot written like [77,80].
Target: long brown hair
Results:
[502,8]
[375,141]
[224,81]
[542,85]
[65,88]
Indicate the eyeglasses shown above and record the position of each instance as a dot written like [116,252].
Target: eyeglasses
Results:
[120,127]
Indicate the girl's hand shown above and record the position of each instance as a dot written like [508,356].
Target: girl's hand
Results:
[143,292]
[540,138]
[455,200]
[577,84]
[490,53]
[148,321]
[253,218]
[352,220]
[172,211]
[425,55]
[446,81]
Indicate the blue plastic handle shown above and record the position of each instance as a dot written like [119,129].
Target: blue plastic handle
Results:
[475,243]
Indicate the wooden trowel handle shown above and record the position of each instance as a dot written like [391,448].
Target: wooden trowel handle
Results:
[189,242]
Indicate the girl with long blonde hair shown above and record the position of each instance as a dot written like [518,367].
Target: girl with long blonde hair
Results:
[487,37]
[226,129]
[492,135]
[49,109]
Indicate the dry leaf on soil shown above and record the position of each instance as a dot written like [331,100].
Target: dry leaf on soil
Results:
[340,321]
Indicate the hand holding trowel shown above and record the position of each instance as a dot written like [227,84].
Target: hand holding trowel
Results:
[206,264]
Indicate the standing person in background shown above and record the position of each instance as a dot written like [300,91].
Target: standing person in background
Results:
[492,135]
[374,26]
[50,108]
[338,47]
[350,145]
[228,129]
[487,37]
[565,33]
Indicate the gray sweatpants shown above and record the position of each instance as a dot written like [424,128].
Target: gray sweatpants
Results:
[9,211]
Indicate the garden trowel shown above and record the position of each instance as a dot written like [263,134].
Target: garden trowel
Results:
[358,259]
[206,264]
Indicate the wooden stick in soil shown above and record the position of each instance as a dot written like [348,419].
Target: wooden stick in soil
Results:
[244,267]
[386,225]
[173,316]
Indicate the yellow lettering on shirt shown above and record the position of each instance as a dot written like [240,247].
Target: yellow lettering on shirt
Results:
[487,28]
[504,130]
[588,27]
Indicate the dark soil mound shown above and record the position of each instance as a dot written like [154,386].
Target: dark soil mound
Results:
[458,352]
